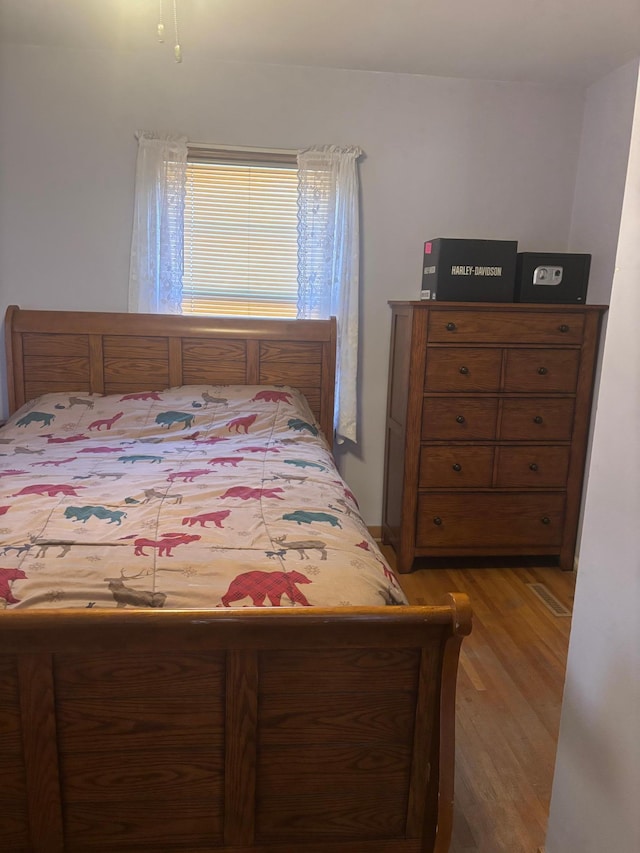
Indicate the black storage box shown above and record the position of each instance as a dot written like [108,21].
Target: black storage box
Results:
[460,270]
[552,277]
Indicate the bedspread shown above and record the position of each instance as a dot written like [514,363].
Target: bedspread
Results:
[190,497]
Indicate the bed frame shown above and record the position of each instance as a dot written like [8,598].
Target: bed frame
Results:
[276,731]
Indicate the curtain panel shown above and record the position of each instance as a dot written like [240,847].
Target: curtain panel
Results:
[329,263]
[155,273]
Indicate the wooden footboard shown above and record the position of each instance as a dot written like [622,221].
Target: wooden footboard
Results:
[273,731]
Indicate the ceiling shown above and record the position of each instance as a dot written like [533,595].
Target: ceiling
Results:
[557,41]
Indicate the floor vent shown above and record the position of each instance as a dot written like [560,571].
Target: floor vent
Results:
[549,600]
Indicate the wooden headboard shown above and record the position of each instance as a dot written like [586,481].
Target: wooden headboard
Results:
[110,353]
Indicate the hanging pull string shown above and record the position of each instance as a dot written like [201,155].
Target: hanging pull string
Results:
[161,24]
[177,50]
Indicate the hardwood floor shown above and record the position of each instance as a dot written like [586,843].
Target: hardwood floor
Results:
[510,685]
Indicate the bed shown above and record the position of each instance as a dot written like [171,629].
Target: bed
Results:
[201,646]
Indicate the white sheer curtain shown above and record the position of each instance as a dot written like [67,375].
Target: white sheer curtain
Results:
[155,274]
[328,261]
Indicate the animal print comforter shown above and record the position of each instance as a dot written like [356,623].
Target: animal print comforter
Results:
[191,497]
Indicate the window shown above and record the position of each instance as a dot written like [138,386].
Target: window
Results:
[246,245]
[240,234]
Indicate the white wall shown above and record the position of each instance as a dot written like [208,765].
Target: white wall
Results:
[601,175]
[596,791]
[599,191]
[444,157]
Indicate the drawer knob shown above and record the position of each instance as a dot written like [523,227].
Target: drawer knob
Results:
[545,519]
[533,467]
[460,419]
[542,371]
[563,328]
[451,327]
[437,521]
[464,370]
[537,419]
[457,467]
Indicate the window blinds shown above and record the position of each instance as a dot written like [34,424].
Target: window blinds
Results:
[241,238]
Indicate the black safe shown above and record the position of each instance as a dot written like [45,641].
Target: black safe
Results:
[459,270]
[552,277]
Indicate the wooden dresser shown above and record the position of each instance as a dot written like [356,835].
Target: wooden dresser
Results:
[488,417]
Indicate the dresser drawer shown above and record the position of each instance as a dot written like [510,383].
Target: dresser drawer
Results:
[455,467]
[542,370]
[532,467]
[486,520]
[537,419]
[459,419]
[476,326]
[463,369]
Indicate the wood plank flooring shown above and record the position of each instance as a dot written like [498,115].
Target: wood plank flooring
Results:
[510,685]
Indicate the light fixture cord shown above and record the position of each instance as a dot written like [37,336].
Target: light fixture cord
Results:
[177,50]
[160,24]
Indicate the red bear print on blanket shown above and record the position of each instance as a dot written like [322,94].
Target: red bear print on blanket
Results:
[234,461]
[49,489]
[144,395]
[246,493]
[241,424]
[259,585]
[52,440]
[216,517]
[6,577]
[270,396]
[187,476]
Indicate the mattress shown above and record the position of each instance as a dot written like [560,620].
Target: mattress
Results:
[188,497]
